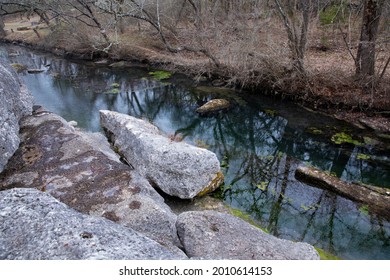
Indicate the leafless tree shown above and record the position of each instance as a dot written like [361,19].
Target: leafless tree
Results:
[151,12]
[296,19]
[28,7]
[365,58]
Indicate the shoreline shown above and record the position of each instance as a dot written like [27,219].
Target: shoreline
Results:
[314,102]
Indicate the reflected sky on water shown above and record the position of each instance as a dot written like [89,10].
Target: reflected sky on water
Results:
[260,143]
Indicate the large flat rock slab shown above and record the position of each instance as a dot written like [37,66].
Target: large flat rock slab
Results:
[82,171]
[34,225]
[177,168]
[15,102]
[214,235]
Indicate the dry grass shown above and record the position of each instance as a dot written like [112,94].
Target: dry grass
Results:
[251,54]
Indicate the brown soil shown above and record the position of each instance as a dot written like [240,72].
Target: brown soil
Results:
[330,86]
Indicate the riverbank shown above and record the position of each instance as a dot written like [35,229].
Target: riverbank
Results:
[66,179]
[259,135]
[325,88]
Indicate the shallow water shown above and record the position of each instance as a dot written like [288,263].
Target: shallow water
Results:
[260,143]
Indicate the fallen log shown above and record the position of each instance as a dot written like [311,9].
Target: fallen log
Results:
[377,199]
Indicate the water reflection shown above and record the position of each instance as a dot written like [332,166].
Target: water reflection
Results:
[260,143]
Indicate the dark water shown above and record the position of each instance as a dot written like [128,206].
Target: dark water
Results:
[260,143]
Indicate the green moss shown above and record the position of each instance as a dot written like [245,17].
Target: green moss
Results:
[314,130]
[310,207]
[271,112]
[160,75]
[364,210]
[363,156]
[215,184]
[246,217]
[327,172]
[342,137]
[325,255]
[224,162]
[262,186]
[114,91]
[19,67]
[115,85]
[117,150]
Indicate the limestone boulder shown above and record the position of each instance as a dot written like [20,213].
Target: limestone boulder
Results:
[118,64]
[15,102]
[213,106]
[82,171]
[177,168]
[214,235]
[35,226]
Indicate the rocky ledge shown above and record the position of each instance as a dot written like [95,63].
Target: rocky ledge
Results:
[34,225]
[82,171]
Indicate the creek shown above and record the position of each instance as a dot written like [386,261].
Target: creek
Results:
[260,143]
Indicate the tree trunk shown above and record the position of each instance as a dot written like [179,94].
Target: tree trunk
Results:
[297,35]
[365,59]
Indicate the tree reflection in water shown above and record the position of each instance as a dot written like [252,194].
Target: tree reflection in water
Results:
[260,143]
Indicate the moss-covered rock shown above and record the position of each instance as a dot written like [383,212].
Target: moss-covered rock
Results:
[176,168]
[213,106]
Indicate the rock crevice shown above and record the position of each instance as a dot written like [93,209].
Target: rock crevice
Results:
[15,102]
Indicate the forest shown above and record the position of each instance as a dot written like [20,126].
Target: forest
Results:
[329,54]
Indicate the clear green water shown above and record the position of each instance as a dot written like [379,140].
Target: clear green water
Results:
[260,143]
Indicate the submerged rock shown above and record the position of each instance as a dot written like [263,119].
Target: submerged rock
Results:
[213,106]
[213,235]
[177,168]
[101,62]
[119,64]
[34,225]
[82,171]
[376,199]
[15,102]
